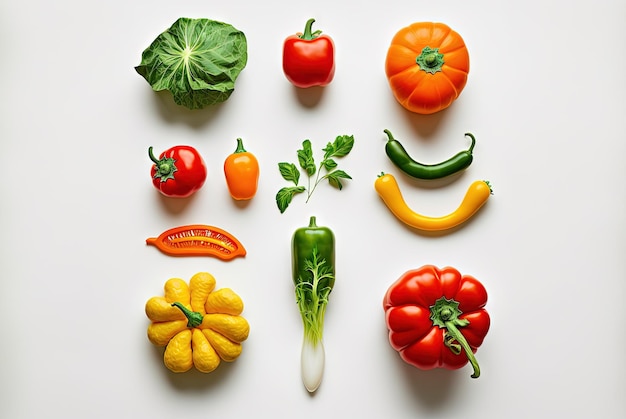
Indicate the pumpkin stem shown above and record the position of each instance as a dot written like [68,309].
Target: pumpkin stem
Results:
[194,319]
[430,60]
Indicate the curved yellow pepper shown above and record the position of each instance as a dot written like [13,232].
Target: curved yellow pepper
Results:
[198,325]
[476,195]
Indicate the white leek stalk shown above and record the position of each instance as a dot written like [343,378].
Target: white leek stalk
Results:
[312,360]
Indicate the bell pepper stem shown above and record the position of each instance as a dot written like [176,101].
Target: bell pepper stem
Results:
[308,33]
[457,336]
[240,148]
[165,167]
[445,314]
[151,155]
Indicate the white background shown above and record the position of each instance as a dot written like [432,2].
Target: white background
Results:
[544,98]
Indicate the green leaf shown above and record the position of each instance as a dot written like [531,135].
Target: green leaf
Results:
[289,172]
[197,60]
[340,147]
[334,178]
[305,158]
[329,164]
[285,196]
[329,150]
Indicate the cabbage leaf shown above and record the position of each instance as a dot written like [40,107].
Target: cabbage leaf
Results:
[196,60]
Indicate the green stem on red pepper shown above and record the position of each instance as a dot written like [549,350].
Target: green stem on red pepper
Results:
[445,314]
[308,33]
[165,167]
[194,319]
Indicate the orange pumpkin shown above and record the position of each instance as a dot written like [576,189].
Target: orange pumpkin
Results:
[427,66]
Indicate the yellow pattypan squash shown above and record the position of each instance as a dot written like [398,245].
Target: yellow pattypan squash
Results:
[198,325]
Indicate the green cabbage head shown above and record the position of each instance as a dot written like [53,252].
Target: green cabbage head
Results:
[197,60]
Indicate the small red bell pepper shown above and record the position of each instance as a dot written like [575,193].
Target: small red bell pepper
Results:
[178,172]
[436,318]
[309,58]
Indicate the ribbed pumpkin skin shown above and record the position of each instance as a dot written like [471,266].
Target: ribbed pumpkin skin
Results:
[415,89]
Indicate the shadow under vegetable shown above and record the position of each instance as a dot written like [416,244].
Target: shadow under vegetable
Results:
[309,97]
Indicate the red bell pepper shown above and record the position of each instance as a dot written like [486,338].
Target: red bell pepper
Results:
[309,58]
[436,318]
[178,172]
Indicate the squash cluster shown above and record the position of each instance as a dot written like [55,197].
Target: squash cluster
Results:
[198,325]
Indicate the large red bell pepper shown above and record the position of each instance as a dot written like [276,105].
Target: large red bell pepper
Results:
[436,318]
[309,58]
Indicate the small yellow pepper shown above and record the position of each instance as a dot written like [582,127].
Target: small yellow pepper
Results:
[198,325]
[476,195]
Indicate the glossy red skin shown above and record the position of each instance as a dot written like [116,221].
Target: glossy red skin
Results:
[308,63]
[407,314]
[189,177]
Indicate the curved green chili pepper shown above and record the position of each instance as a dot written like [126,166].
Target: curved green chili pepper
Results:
[399,156]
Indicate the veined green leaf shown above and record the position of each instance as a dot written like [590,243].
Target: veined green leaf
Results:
[334,178]
[340,147]
[285,196]
[305,158]
[197,60]
[329,164]
[289,172]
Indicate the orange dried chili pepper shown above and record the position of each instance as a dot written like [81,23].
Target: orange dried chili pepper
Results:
[198,240]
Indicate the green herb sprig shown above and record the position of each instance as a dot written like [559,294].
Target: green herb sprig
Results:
[341,147]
